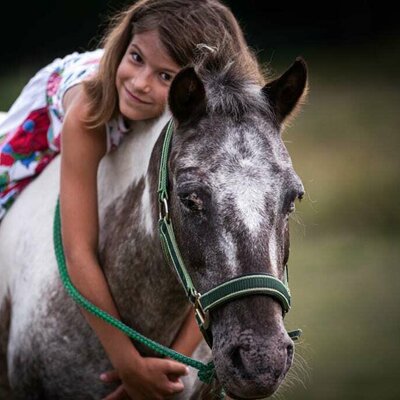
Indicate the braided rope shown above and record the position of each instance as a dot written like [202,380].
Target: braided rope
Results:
[206,371]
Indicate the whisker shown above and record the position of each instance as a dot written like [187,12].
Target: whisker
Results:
[312,202]
[298,220]
[298,375]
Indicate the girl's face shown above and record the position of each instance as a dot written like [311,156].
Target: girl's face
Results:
[144,76]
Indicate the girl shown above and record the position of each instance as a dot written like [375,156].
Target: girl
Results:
[93,98]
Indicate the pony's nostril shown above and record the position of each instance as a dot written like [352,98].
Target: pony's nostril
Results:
[289,350]
[242,362]
[237,358]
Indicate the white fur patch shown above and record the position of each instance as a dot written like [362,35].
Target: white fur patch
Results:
[247,180]
[250,202]
[273,255]
[145,209]
[129,163]
[27,256]
[229,248]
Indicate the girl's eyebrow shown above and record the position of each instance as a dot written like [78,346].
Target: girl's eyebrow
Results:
[136,47]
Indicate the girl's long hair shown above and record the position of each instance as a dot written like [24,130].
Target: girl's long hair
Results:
[184,27]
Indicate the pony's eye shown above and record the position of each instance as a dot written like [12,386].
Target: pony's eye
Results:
[289,205]
[192,201]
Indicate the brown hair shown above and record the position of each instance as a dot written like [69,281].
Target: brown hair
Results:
[183,26]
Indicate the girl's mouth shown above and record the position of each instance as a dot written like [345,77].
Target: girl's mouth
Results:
[135,98]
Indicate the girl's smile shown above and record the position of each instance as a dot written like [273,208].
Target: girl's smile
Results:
[144,76]
[135,98]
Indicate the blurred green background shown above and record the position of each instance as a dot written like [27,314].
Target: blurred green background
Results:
[345,234]
[345,146]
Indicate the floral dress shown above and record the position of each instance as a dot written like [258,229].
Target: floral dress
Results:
[30,132]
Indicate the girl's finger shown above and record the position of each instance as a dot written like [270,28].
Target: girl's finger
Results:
[176,368]
[110,376]
[176,386]
[173,378]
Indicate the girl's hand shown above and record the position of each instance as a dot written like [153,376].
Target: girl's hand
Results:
[149,378]
[117,394]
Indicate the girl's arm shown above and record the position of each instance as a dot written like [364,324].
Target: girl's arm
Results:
[188,337]
[81,152]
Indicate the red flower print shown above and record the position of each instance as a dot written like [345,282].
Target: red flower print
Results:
[53,83]
[32,134]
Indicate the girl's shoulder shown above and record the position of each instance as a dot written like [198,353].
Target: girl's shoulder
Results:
[77,107]
[64,74]
[74,69]
[68,92]
[75,127]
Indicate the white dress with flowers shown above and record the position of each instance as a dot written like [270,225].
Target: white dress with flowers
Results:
[30,132]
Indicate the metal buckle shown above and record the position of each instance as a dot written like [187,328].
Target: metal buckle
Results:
[164,212]
[202,316]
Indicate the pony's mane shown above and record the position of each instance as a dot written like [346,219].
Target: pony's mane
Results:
[233,84]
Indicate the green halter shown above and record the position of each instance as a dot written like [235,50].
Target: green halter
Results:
[245,285]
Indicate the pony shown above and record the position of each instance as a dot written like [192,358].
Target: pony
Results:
[232,187]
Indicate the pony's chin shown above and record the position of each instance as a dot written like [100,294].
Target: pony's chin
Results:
[264,395]
[251,390]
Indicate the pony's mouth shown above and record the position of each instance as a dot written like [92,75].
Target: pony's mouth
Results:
[261,389]
[234,397]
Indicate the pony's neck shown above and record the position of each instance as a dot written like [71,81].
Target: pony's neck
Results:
[122,170]
[130,251]
[126,182]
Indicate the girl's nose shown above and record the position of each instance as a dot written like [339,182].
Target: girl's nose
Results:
[142,81]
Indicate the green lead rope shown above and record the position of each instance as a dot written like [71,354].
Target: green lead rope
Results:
[206,371]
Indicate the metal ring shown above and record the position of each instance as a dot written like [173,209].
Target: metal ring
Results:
[164,212]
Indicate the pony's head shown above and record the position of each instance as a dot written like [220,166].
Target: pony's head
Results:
[232,188]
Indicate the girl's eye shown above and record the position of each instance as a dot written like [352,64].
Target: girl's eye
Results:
[165,77]
[136,57]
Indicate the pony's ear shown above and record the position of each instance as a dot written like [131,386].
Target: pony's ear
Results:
[187,96]
[286,92]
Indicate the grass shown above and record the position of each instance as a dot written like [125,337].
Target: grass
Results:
[345,291]
[346,233]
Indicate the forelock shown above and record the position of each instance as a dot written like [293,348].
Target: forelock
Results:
[231,88]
